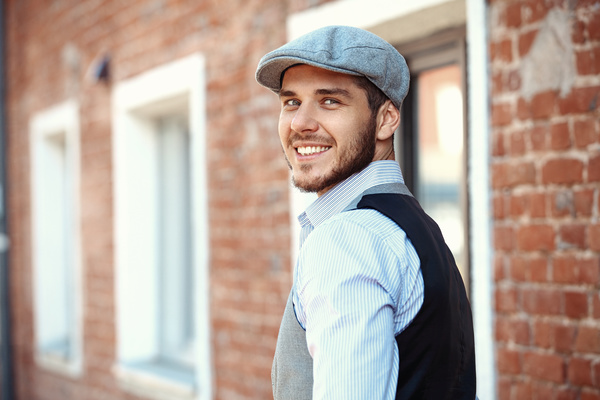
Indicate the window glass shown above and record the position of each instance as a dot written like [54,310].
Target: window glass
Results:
[175,253]
[440,171]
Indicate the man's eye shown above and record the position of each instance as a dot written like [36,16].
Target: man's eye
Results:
[291,103]
[330,102]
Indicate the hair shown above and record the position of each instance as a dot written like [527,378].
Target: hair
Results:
[375,96]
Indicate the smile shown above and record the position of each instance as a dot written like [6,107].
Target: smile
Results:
[309,150]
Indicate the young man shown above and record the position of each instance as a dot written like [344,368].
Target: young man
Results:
[377,309]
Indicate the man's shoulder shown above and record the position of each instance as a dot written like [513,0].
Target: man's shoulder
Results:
[361,222]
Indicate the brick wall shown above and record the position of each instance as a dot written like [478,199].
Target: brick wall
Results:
[51,46]
[545,76]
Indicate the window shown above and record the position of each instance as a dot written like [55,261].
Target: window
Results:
[431,141]
[54,141]
[161,232]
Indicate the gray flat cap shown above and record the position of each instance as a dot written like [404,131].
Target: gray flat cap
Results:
[342,49]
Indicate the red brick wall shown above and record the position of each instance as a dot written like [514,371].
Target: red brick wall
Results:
[51,45]
[546,188]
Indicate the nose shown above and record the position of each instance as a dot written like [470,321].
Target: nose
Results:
[304,120]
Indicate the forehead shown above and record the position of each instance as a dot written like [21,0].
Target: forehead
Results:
[302,75]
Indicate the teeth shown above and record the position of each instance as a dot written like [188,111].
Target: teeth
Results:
[307,150]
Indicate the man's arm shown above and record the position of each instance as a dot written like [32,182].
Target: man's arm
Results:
[347,300]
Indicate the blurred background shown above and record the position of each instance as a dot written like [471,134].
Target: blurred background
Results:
[148,226]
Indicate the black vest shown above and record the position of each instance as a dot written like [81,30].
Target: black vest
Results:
[437,351]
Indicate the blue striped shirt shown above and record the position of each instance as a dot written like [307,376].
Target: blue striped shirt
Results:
[357,284]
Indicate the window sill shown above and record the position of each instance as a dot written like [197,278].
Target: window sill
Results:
[57,363]
[155,381]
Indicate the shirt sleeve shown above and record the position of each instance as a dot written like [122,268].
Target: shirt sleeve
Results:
[345,290]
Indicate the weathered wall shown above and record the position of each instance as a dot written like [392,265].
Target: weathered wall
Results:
[51,46]
[545,71]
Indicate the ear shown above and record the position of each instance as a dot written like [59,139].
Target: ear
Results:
[388,120]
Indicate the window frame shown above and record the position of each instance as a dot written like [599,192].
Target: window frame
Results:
[177,87]
[57,123]
[440,49]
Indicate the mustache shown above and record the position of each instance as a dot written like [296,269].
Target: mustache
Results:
[309,137]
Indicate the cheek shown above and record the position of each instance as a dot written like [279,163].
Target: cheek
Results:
[283,129]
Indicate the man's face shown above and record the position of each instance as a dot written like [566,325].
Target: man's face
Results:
[325,126]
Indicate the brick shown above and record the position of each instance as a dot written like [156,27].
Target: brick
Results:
[543,105]
[563,338]
[594,236]
[580,372]
[501,51]
[583,201]
[503,238]
[566,393]
[537,205]
[562,171]
[517,143]
[553,336]
[539,137]
[572,236]
[513,81]
[569,269]
[542,302]
[589,395]
[523,112]
[522,390]
[542,390]
[547,367]
[576,305]
[502,114]
[518,205]
[580,100]
[596,305]
[588,61]
[497,80]
[504,387]
[499,273]
[593,25]
[596,373]
[499,207]
[560,138]
[507,174]
[538,269]
[537,237]
[508,361]
[593,169]
[502,329]
[511,330]
[498,145]
[578,32]
[588,339]
[586,132]
[525,41]
[529,269]
[506,300]
[513,15]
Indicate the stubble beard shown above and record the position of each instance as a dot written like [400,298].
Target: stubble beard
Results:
[357,157]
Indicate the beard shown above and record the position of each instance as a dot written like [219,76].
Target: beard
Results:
[356,157]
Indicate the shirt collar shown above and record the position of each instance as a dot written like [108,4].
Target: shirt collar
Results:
[338,197]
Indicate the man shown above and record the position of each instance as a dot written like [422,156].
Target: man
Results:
[377,309]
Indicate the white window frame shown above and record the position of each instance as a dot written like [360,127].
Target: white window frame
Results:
[400,21]
[176,87]
[52,131]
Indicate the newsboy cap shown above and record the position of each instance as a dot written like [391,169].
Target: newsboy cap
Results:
[343,49]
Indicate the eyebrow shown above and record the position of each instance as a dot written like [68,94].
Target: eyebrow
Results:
[320,92]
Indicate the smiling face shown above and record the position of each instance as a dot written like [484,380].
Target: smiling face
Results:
[326,127]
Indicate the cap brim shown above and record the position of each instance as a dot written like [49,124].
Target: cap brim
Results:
[269,73]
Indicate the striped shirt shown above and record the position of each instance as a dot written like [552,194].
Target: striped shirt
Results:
[357,284]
